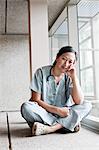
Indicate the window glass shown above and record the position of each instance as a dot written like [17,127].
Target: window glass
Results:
[87,82]
[87,44]
[96,31]
[85,59]
[96,59]
[88,28]
[59,39]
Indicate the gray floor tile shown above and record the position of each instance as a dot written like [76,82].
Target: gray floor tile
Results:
[3,132]
[20,137]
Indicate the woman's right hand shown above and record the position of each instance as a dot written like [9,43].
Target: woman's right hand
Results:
[60,111]
[63,111]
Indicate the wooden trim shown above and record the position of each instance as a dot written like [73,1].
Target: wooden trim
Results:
[5,16]
[30,52]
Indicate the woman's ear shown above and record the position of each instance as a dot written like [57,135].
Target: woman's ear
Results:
[56,58]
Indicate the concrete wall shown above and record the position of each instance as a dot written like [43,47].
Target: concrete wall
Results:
[14,71]
[14,49]
[14,54]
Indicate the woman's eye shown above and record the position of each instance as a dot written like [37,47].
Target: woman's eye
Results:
[70,62]
[64,58]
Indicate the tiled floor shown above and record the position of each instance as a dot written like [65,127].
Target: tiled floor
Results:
[20,137]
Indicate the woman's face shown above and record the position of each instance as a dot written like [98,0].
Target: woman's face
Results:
[65,61]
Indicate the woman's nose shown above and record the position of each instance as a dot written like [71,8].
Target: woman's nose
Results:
[66,63]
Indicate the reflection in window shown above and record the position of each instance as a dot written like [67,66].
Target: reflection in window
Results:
[85,59]
[96,58]
[87,44]
[59,39]
[87,82]
[88,26]
[96,31]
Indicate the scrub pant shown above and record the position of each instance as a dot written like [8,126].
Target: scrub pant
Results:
[32,112]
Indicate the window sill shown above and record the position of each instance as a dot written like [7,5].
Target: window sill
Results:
[91,123]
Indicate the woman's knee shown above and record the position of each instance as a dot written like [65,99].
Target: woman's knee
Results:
[24,108]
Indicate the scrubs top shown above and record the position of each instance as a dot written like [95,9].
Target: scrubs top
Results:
[51,92]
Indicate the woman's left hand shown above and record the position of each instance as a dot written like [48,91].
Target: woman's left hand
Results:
[71,71]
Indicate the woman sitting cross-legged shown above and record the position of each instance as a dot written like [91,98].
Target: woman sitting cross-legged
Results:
[57,101]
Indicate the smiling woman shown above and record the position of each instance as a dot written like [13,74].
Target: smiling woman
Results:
[48,110]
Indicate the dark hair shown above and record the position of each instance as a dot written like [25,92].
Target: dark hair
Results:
[63,50]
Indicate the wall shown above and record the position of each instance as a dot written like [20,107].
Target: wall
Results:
[14,71]
[14,48]
[39,33]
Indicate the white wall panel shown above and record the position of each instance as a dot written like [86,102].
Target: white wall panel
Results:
[14,71]
[2,16]
[39,33]
[17,16]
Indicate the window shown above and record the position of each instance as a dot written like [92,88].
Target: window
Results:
[59,37]
[88,24]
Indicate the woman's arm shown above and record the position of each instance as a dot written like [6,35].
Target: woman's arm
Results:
[76,91]
[62,112]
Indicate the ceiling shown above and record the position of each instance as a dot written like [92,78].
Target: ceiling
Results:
[55,7]
[12,12]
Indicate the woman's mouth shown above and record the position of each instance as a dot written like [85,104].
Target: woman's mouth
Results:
[64,68]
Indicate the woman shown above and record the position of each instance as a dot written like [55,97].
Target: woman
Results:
[57,100]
